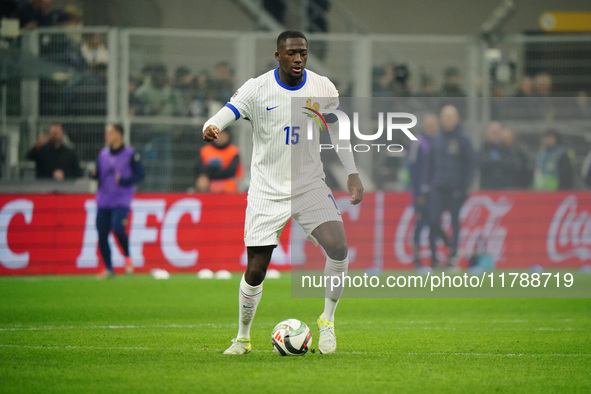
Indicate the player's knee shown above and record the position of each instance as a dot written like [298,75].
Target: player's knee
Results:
[337,250]
[254,276]
[119,231]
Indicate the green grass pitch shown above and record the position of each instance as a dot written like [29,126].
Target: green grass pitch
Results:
[138,335]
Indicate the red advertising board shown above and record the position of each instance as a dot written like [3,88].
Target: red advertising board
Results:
[55,234]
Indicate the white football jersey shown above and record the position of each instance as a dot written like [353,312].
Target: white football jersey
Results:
[266,102]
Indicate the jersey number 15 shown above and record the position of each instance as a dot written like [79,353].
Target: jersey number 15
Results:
[292,135]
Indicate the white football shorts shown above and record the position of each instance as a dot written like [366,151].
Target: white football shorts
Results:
[266,219]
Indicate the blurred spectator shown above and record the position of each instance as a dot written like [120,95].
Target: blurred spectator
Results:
[53,159]
[497,168]
[451,84]
[134,104]
[201,95]
[428,88]
[71,15]
[36,13]
[451,169]
[223,83]
[184,82]
[582,106]
[402,78]
[219,168]
[586,171]
[526,88]
[543,85]
[384,79]
[94,50]
[554,170]
[418,168]
[156,97]
[521,176]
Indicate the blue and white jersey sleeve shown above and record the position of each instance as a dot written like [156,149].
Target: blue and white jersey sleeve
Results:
[242,101]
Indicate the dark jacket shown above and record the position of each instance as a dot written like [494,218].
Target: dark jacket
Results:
[451,161]
[498,167]
[418,165]
[48,158]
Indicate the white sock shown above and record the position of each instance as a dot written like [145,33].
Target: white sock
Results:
[333,268]
[248,300]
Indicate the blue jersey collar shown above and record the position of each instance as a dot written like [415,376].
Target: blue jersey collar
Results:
[284,86]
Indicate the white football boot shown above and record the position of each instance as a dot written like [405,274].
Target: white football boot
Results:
[327,340]
[239,346]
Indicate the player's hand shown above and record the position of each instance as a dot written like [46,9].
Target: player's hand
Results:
[211,133]
[355,187]
[117,178]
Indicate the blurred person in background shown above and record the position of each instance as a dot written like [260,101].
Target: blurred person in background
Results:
[522,165]
[554,170]
[428,88]
[202,94]
[36,13]
[497,169]
[118,169]
[184,82]
[451,169]
[545,105]
[543,85]
[451,83]
[526,87]
[219,168]
[384,80]
[582,106]
[223,83]
[53,159]
[418,168]
[156,96]
[94,51]
[402,77]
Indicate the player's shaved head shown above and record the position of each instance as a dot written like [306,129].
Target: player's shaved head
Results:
[282,38]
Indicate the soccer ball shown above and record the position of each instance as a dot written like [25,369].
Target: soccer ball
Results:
[291,337]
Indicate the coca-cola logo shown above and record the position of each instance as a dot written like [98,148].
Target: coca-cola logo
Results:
[481,230]
[569,234]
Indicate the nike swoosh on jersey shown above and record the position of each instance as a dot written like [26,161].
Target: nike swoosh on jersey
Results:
[272,108]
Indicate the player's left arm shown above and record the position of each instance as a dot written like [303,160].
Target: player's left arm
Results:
[137,171]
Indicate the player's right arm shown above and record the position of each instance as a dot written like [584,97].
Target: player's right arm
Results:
[239,106]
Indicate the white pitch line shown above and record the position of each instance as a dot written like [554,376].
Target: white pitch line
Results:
[76,347]
[115,327]
[504,354]
[68,347]
[213,325]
